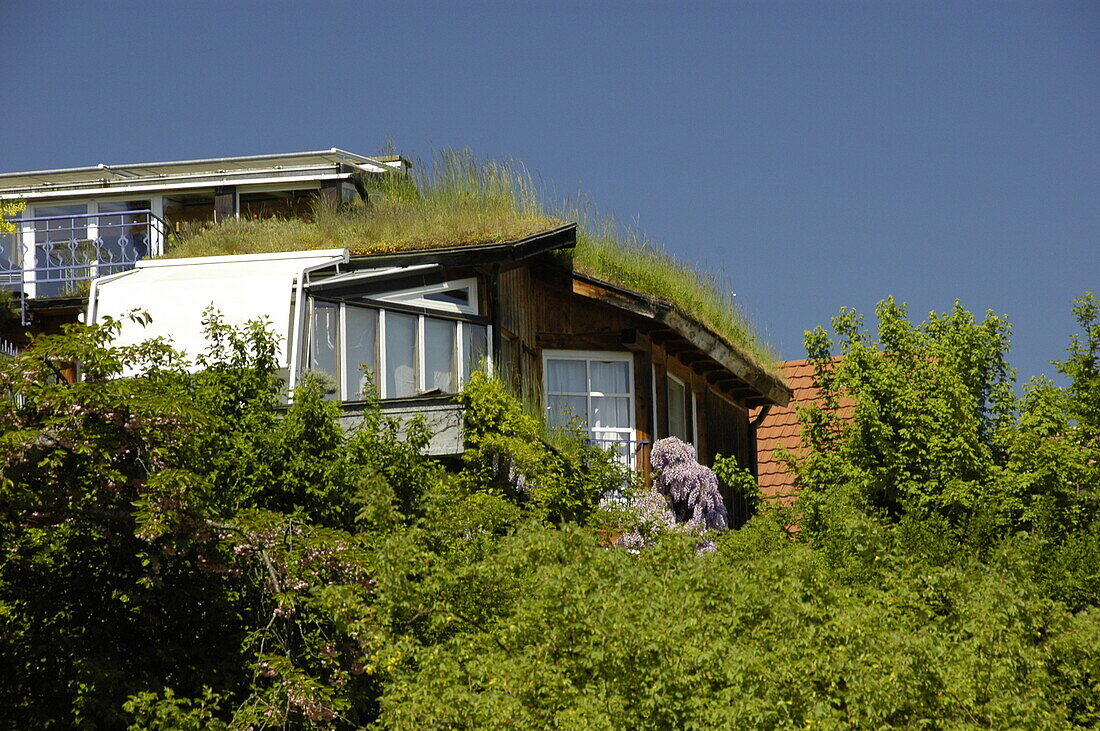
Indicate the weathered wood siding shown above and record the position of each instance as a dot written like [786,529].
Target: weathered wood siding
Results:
[539,311]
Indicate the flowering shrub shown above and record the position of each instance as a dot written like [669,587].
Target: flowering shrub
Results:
[692,489]
[684,496]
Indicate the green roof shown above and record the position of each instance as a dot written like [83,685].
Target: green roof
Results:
[461,201]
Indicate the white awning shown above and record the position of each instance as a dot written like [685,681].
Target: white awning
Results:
[175,292]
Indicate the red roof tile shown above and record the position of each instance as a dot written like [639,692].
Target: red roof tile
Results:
[780,429]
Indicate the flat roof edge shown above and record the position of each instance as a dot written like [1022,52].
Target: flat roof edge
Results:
[341,254]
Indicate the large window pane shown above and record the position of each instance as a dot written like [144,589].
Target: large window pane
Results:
[11,258]
[323,343]
[566,376]
[610,411]
[610,376]
[123,236]
[596,391]
[473,348]
[61,248]
[362,349]
[439,354]
[618,442]
[456,297]
[400,355]
[564,410]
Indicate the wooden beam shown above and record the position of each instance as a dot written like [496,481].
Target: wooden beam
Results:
[634,340]
[226,203]
[661,335]
[731,357]
[579,341]
[562,237]
[593,291]
[675,347]
[703,367]
[693,356]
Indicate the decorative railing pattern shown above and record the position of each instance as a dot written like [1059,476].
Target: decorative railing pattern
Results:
[626,450]
[8,350]
[52,256]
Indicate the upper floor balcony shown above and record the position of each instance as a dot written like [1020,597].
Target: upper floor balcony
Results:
[58,255]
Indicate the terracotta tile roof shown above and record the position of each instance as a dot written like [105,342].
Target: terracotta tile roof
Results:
[780,429]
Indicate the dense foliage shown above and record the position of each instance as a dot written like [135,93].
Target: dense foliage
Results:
[180,549]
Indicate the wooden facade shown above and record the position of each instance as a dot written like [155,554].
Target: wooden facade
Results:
[683,380]
[543,305]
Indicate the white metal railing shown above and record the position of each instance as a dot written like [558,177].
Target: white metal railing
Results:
[52,256]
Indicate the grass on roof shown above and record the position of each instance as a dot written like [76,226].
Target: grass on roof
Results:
[459,200]
[628,258]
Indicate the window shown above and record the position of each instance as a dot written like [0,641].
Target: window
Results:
[677,401]
[457,296]
[595,389]
[405,353]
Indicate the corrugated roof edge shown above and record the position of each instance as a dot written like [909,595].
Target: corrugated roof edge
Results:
[332,151]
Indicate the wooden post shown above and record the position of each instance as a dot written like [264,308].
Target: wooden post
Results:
[226,203]
[330,193]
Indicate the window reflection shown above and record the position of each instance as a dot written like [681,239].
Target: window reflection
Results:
[402,354]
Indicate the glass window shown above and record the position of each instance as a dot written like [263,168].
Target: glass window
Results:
[677,409]
[400,376]
[596,390]
[456,296]
[62,249]
[474,348]
[418,352]
[361,325]
[610,376]
[566,376]
[565,410]
[11,257]
[122,236]
[324,338]
[439,354]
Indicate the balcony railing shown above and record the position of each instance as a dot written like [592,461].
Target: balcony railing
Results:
[54,256]
[625,450]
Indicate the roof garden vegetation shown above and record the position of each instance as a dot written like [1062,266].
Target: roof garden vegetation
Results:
[460,200]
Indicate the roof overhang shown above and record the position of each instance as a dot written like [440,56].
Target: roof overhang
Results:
[292,168]
[504,253]
[746,377]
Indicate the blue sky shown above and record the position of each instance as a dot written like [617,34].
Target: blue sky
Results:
[818,154]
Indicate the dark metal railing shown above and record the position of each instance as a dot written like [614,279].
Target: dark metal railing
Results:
[53,256]
[625,449]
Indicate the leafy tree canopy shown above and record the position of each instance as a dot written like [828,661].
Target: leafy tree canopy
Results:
[181,548]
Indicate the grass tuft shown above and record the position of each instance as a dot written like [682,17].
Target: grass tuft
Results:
[460,200]
[457,201]
[628,258]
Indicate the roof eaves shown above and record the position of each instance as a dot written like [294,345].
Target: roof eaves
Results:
[559,237]
[731,356]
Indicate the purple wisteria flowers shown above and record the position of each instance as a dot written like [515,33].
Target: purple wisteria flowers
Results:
[684,495]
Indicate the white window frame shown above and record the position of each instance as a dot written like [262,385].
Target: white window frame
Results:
[419,357]
[588,356]
[417,296]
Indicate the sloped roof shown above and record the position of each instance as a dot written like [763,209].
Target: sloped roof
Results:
[752,383]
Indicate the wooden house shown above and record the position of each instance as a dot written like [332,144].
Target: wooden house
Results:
[627,366]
